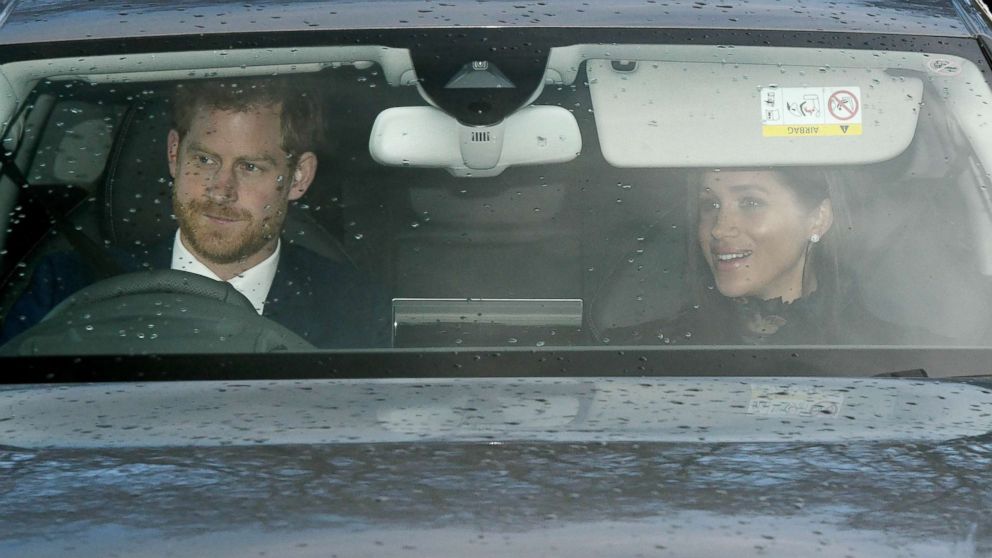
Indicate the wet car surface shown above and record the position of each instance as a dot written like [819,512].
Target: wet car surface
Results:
[518,192]
[499,499]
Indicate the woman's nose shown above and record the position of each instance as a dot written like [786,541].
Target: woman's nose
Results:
[724,224]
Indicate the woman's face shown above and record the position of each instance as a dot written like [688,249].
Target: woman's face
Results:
[753,233]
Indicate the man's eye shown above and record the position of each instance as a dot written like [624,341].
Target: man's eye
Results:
[250,167]
[709,205]
[751,203]
[202,160]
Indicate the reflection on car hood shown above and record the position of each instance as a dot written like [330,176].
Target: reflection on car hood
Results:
[490,466]
[520,499]
[622,409]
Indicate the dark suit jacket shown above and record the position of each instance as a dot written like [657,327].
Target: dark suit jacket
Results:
[329,304]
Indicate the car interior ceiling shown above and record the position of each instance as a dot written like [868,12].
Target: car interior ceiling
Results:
[613,238]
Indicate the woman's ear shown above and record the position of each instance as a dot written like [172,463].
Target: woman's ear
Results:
[823,218]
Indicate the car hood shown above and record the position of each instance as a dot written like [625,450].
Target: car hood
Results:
[541,466]
[603,409]
[502,499]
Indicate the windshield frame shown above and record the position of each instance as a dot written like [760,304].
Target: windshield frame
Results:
[507,361]
[502,362]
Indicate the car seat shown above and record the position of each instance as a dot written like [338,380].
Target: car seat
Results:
[911,246]
[636,251]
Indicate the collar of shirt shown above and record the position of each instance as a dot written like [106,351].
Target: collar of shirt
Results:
[254,283]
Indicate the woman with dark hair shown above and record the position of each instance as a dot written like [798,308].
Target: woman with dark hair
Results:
[764,266]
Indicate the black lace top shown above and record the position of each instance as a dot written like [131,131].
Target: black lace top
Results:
[761,322]
[811,320]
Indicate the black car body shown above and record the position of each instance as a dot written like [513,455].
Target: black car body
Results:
[506,415]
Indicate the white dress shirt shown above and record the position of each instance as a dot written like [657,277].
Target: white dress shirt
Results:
[254,283]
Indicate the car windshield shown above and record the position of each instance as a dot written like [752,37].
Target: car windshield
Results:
[500,277]
[635,200]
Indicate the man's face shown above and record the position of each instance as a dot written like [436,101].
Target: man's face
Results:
[233,183]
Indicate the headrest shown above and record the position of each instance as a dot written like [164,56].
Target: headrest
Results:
[136,197]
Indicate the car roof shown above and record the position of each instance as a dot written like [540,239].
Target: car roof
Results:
[48,21]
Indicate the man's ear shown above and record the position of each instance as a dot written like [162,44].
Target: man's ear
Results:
[306,168]
[172,147]
[823,218]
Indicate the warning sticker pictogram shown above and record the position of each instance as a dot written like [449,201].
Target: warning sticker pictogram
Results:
[810,111]
[843,105]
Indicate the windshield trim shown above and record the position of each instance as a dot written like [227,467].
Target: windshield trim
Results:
[109,18]
[612,361]
[449,40]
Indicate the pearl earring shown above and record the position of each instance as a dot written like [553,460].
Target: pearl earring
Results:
[814,238]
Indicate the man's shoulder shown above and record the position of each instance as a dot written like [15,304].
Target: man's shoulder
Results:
[304,272]
[296,259]
[330,303]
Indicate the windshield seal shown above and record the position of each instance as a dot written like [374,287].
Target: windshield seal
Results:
[444,41]
[108,18]
[508,362]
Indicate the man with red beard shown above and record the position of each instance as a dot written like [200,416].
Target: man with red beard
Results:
[239,153]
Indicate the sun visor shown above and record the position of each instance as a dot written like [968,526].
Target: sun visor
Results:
[695,114]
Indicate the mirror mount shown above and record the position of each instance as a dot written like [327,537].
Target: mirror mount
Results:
[477,84]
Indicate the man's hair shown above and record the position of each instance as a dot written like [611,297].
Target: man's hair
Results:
[301,117]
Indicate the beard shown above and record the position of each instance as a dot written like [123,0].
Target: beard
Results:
[229,243]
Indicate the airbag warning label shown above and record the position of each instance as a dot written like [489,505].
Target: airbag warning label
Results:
[810,111]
